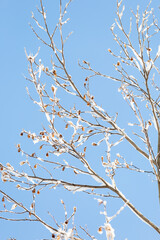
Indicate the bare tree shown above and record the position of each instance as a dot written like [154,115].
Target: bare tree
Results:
[137,72]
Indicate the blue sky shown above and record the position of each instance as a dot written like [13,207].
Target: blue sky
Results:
[90,22]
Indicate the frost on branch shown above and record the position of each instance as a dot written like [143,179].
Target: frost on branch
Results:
[81,147]
[110,232]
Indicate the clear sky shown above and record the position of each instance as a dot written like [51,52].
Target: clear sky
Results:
[90,21]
